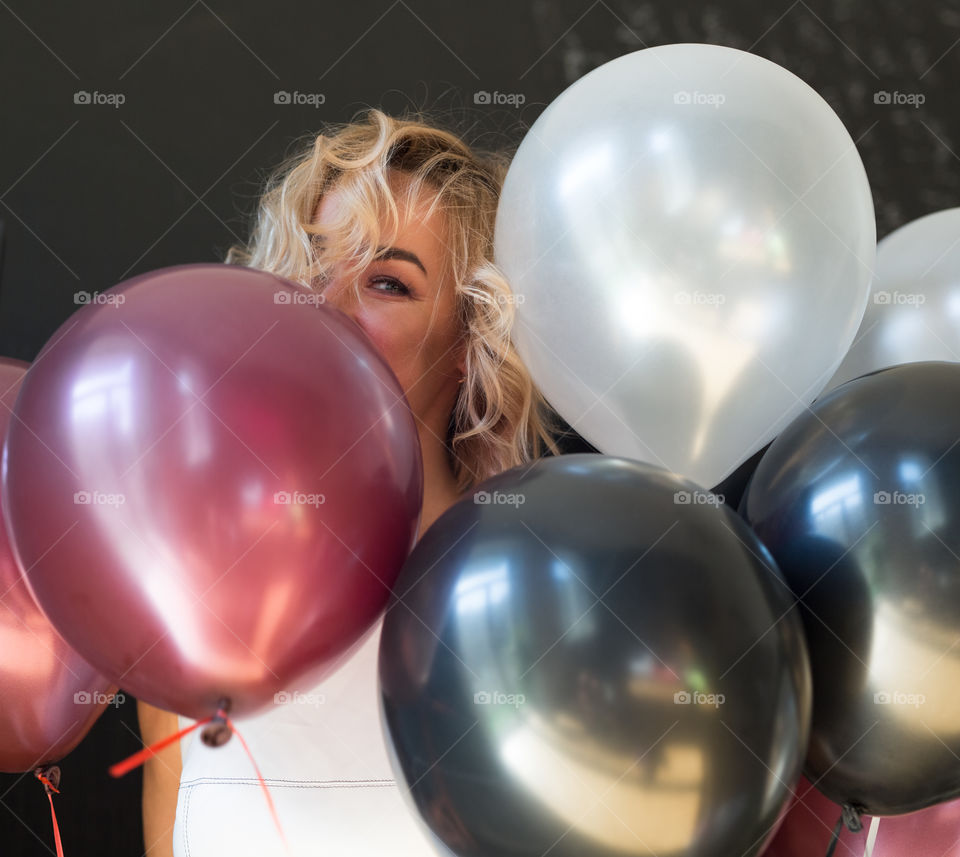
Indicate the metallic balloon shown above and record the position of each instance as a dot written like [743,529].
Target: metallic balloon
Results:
[859,502]
[50,697]
[690,233]
[592,656]
[914,309]
[213,479]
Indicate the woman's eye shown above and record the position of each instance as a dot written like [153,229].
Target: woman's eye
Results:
[394,286]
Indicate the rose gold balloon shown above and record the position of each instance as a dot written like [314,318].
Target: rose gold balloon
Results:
[49,695]
[213,479]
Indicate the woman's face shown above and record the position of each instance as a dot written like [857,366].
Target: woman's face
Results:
[399,293]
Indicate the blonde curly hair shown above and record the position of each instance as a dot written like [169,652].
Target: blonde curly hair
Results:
[500,419]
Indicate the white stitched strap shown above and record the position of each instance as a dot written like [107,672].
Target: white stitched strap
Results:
[872,836]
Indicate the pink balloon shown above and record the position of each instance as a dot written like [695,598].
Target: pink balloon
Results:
[49,695]
[808,826]
[214,479]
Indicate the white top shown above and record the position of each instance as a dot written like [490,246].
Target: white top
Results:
[323,756]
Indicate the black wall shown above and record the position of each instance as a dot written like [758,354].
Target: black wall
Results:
[92,194]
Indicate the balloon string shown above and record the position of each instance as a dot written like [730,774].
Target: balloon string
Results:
[56,828]
[141,756]
[138,758]
[835,838]
[49,788]
[263,785]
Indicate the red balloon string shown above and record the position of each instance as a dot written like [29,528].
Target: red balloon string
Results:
[56,828]
[49,788]
[141,756]
[263,785]
[138,758]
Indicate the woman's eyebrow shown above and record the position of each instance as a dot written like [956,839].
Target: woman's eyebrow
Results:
[405,255]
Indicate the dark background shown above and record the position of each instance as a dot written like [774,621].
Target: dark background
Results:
[93,194]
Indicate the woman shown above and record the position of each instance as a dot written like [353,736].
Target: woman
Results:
[392,221]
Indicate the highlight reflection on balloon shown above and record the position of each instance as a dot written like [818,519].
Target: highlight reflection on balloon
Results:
[692,232]
[585,659]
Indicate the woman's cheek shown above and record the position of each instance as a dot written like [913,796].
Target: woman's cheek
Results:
[386,342]
[373,328]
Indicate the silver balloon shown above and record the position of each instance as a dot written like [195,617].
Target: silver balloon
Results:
[593,657]
[859,502]
[690,232]
[914,309]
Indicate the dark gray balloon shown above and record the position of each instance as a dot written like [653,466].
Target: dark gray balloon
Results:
[859,502]
[592,656]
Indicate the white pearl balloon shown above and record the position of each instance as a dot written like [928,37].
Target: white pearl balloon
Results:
[914,309]
[692,231]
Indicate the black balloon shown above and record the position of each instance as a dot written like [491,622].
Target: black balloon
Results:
[591,656]
[859,502]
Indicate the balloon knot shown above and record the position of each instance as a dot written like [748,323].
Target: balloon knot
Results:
[851,817]
[218,731]
[49,775]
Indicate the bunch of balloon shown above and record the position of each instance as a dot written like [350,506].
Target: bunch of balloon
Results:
[859,503]
[593,656]
[692,231]
[913,315]
[211,480]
